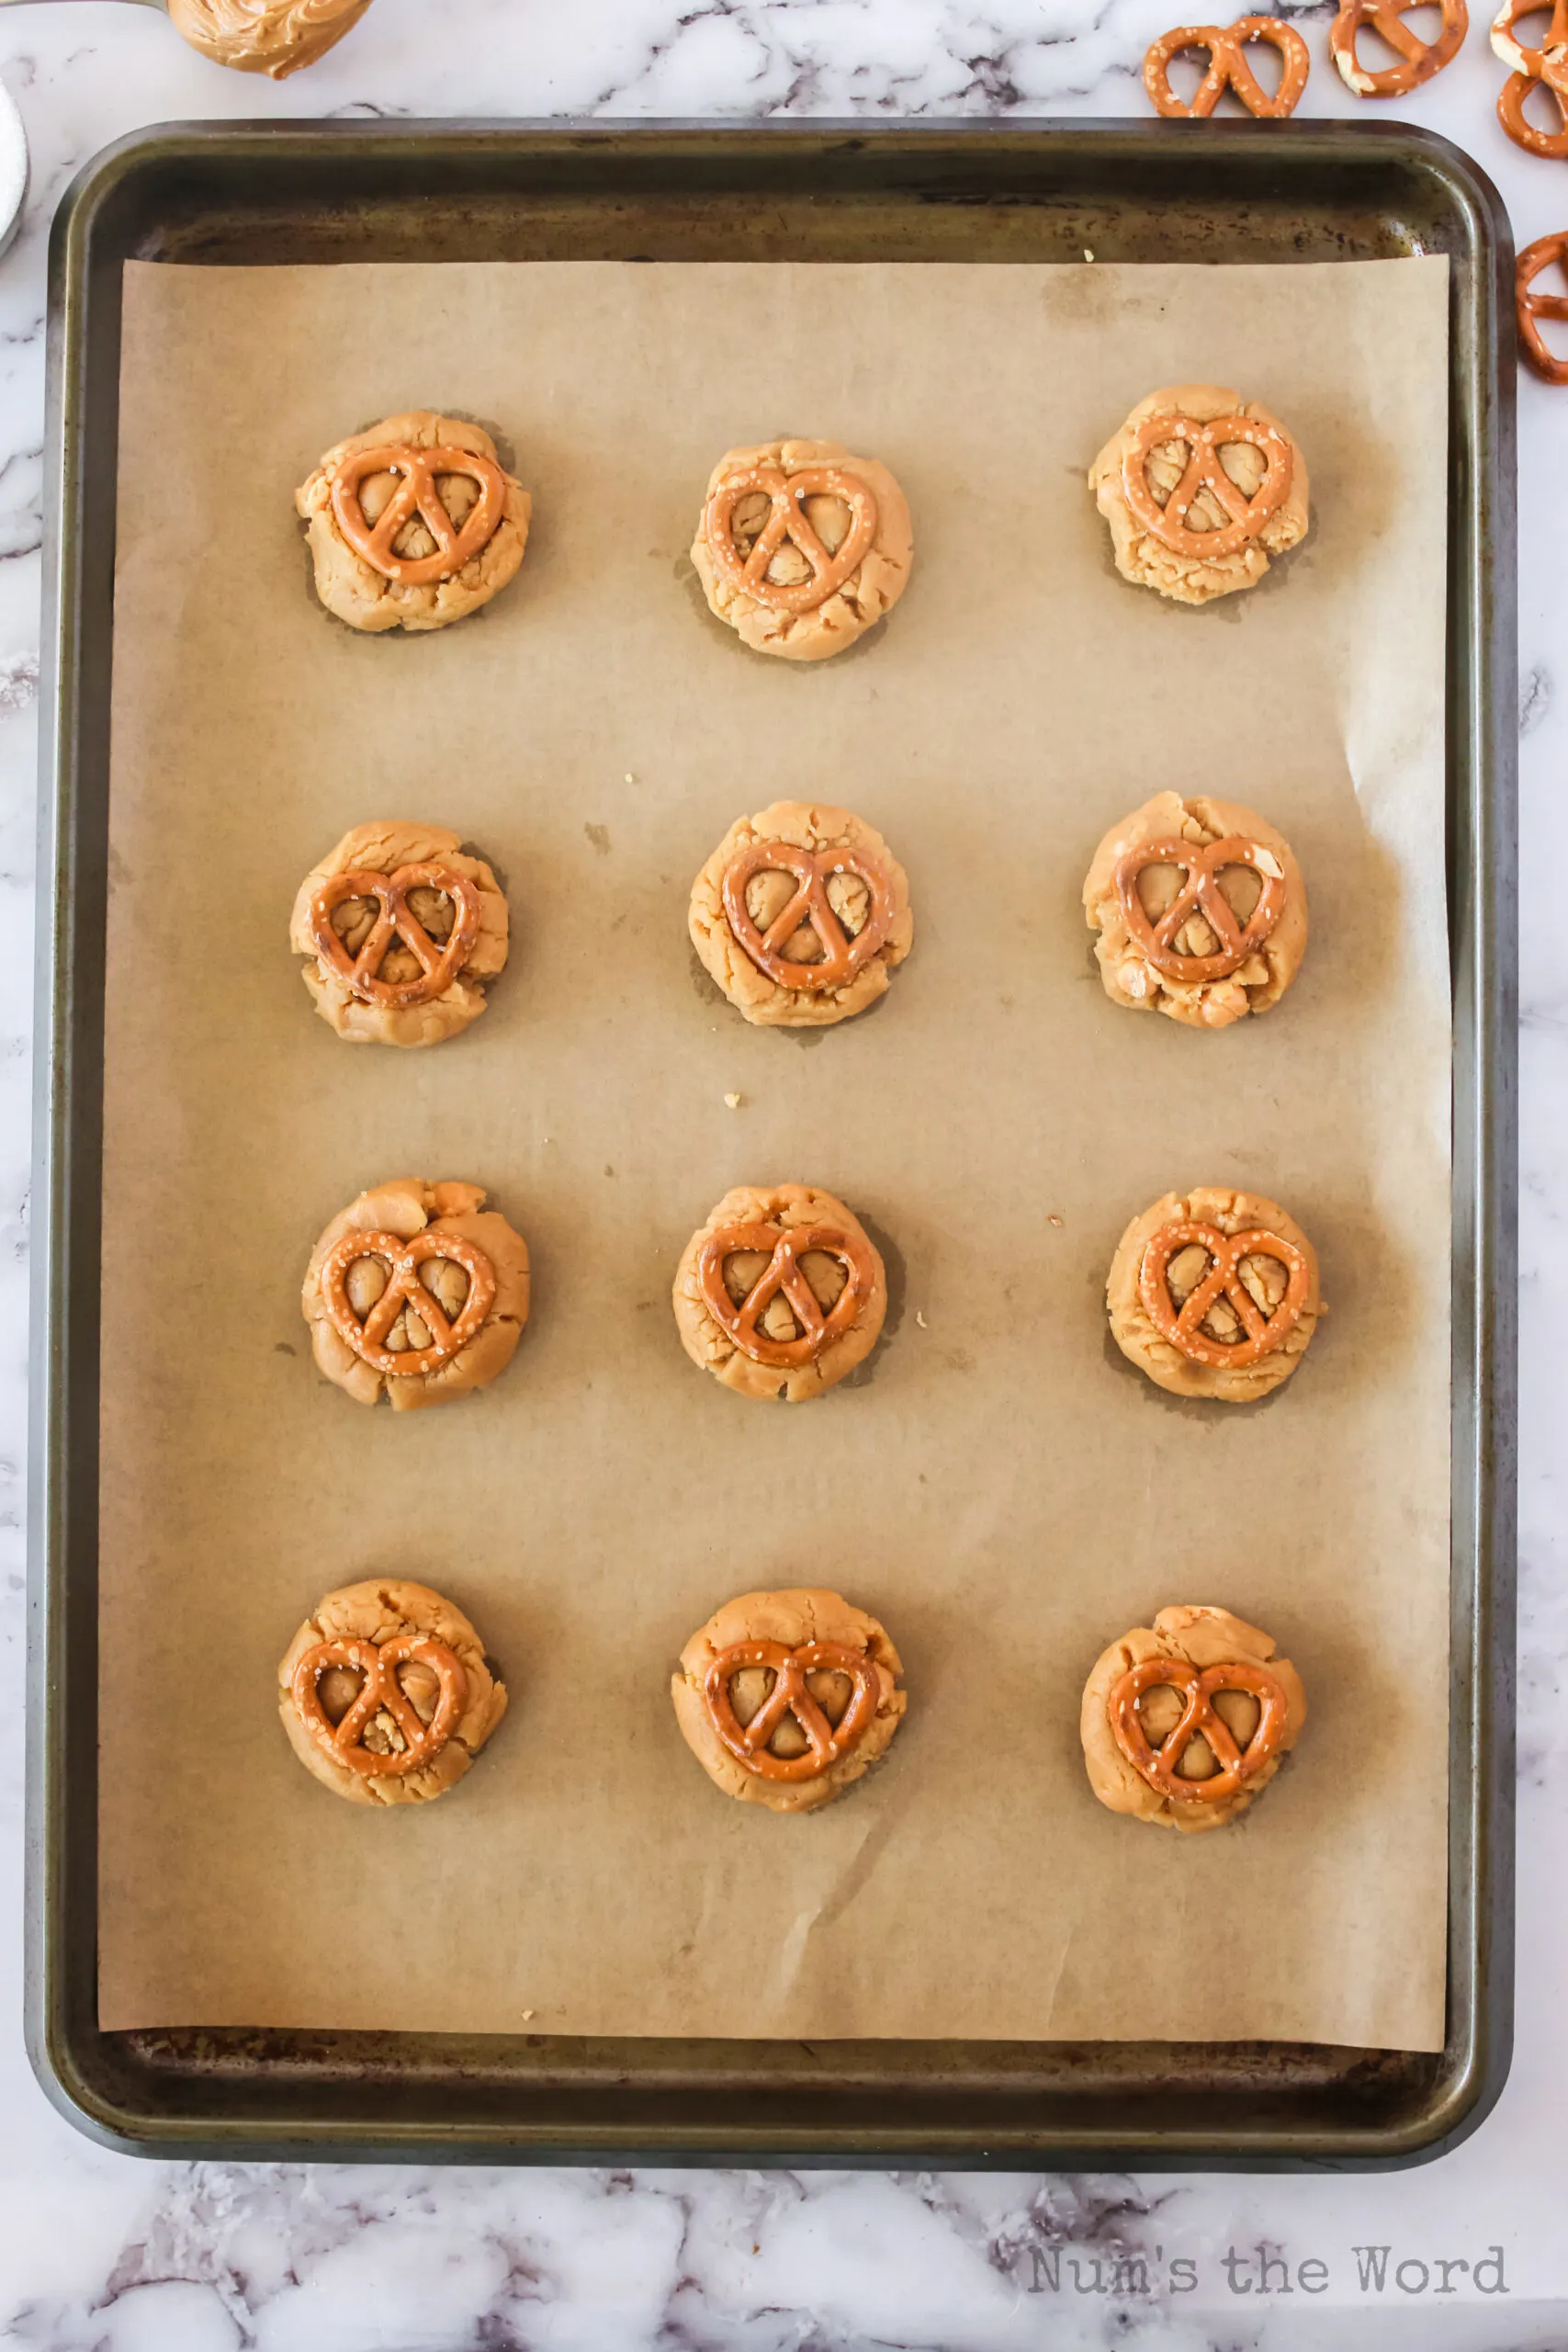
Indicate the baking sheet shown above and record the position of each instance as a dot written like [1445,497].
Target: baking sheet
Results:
[1001,1489]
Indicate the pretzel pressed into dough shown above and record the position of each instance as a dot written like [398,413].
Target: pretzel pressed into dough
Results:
[1182,1327]
[1200,892]
[440,961]
[786,1246]
[405,1289]
[843,955]
[786,520]
[1167,524]
[418,494]
[825,1742]
[1160,1766]
[380,1692]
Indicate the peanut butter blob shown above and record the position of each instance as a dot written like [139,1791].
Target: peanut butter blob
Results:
[276,37]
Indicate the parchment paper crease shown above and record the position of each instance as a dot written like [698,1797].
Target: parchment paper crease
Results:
[1003,1492]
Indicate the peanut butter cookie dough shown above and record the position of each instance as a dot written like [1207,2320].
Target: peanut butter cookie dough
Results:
[785,1697]
[1214,1293]
[780,1293]
[421,539]
[1205,939]
[800,914]
[405,960]
[1171,528]
[1243,1708]
[802,547]
[276,37]
[416,1289]
[386,1693]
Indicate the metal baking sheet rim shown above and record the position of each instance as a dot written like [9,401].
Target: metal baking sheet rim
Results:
[528,2100]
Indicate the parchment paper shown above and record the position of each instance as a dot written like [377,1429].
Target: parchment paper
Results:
[1003,1490]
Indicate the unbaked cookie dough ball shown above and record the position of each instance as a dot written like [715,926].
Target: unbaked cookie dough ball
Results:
[781,1293]
[800,914]
[403,931]
[1184,1721]
[1196,515]
[276,37]
[1201,909]
[785,1697]
[802,547]
[1214,1293]
[416,1290]
[386,1693]
[413,524]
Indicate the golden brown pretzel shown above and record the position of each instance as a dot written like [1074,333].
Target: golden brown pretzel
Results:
[825,1742]
[786,520]
[404,1288]
[441,964]
[1181,1328]
[381,1692]
[786,1245]
[1199,1687]
[1205,471]
[841,954]
[1548,65]
[418,494]
[1226,45]
[1201,892]
[1531,307]
[1420,58]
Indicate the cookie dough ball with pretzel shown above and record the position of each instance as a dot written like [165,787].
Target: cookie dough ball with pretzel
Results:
[386,1693]
[1196,513]
[1214,1293]
[785,1697]
[1185,1719]
[802,547]
[418,1292]
[800,914]
[782,1291]
[403,931]
[1201,910]
[413,524]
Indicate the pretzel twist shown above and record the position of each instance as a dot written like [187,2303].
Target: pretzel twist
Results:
[1228,68]
[418,494]
[1182,1327]
[1160,1766]
[825,1742]
[784,1273]
[1531,307]
[396,919]
[381,1694]
[786,493]
[1547,65]
[1205,471]
[1201,892]
[843,955]
[1420,58]
[404,1289]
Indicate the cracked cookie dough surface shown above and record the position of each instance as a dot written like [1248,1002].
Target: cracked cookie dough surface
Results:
[358,594]
[406,1207]
[1197,578]
[812,826]
[872,589]
[1130,978]
[383,848]
[379,1611]
[712,1347]
[793,1619]
[1265,1279]
[276,37]
[1201,1637]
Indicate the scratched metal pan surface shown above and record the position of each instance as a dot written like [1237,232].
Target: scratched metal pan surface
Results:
[952,192]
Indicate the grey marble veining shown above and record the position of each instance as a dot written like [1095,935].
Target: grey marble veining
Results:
[98,2254]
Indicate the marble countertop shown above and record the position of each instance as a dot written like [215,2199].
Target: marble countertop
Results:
[102,2254]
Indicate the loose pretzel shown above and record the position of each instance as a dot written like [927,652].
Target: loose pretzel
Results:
[381,1692]
[1181,1328]
[1159,1766]
[841,954]
[825,1742]
[1205,471]
[1530,307]
[786,1246]
[441,964]
[1226,45]
[1548,65]
[786,520]
[418,494]
[1421,59]
[403,1261]
[1200,890]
